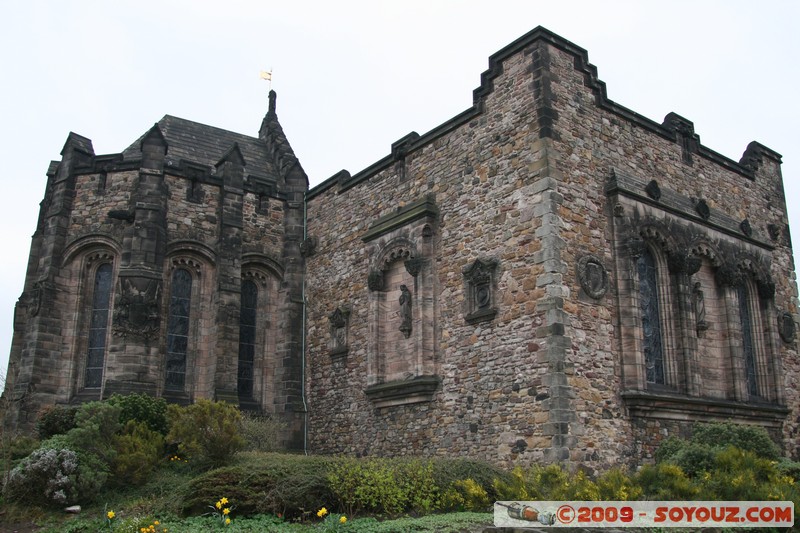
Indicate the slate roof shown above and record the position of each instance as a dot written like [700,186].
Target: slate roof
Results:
[206,145]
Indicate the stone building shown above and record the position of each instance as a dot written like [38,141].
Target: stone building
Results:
[546,276]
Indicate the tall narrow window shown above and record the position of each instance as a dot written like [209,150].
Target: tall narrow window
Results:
[95,358]
[651,320]
[247,338]
[748,346]
[178,329]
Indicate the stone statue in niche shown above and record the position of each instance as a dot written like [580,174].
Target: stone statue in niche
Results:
[699,301]
[405,311]
[338,320]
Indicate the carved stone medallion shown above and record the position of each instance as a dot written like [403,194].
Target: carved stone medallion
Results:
[592,276]
[786,327]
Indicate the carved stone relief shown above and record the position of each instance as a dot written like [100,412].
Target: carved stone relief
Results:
[786,327]
[339,320]
[479,277]
[592,276]
[136,311]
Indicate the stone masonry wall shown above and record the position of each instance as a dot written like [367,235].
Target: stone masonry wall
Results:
[523,181]
[505,394]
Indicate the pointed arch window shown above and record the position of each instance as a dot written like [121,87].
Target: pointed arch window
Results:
[748,342]
[98,327]
[247,338]
[178,329]
[651,319]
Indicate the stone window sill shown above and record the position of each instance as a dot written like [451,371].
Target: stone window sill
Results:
[401,392]
[484,315]
[646,404]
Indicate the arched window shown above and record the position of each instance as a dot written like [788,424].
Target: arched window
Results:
[748,341]
[178,329]
[651,318]
[247,338]
[98,327]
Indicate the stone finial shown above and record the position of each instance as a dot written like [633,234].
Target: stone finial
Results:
[273,96]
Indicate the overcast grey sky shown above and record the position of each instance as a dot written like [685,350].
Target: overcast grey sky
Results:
[354,76]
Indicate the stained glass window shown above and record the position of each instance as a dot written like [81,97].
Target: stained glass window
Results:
[178,329]
[98,326]
[651,320]
[247,338]
[747,341]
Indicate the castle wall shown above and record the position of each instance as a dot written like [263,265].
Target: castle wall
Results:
[549,181]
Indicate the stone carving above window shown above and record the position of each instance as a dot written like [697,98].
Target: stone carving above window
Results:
[479,277]
[592,276]
[702,209]
[136,312]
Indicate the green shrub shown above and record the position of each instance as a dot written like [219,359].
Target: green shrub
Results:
[615,485]
[665,481]
[55,420]
[142,408]
[96,426]
[262,433]
[19,447]
[138,451]
[420,491]
[694,458]
[92,472]
[289,485]
[206,431]
[739,475]
[367,485]
[448,471]
[550,482]
[465,495]
[751,438]
[45,477]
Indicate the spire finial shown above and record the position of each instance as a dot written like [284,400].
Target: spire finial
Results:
[272,97]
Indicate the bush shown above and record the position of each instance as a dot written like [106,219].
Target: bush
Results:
[96,426]
[138,450]
[261,433]
[465,495]
[92,472]
[206,431]
[45,477]
[448,471]
[289,485]
[750,438]
[615,485]
[371,485]
[547,483]
[665,481]
[55,420]
[142,408]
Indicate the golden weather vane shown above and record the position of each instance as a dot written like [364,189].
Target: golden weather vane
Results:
[267,75]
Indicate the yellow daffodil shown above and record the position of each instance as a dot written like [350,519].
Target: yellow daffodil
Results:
[226,511]
[342,519]
[227,521]
[322,512]
[218,505]
[110,515]
[156,522]
[224,500]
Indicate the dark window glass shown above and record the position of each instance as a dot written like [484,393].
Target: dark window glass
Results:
[98,327]
[247,338]
[178,329]
[747,341]
[651,322]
